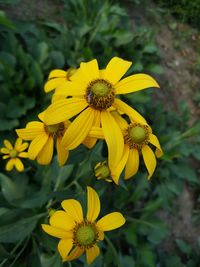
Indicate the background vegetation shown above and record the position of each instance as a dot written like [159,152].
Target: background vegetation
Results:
[163,215]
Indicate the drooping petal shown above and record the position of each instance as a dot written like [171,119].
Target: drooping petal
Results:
[46,153]
[64,109]
[18,144]
[116,172]
[132,113]
[111,221]
[6,157]
[19,165]
[89,71]
[64,247]
[35,124]
[73,209]
[149,160]
[36,145]
[135,83]
[100,235]
[78,129]
[57,73]
[132,163]
[62,220]
[56,232]
[53,83]
[154,141]
[76,253]
[113,137]
[115,69]
[62,153]
[5,150]
[92,253]
[70,89]
[32,130]
[7,144]
[93,203]
[123,124]
[10,164]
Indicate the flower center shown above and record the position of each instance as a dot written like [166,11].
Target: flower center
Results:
[100,94]
[55,130]
[13,153]
[85,235]
[137,135]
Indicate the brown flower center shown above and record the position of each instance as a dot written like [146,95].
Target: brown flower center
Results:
[100,94]
[55,130]
[136,135]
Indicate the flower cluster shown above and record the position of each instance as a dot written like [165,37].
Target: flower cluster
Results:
[86,107]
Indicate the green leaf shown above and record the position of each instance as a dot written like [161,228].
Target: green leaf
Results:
[155,68]
[10,189]
[51,261]
[183,246]
[5,21]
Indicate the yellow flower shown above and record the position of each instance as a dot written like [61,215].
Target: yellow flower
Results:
[42,139]
[79,234]
[14,153]
[137,138]
[93,94]
[58,77]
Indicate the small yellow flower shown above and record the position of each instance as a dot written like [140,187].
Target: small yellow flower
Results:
[102,171]
[42,139]
[137,140]
[14,153]
[58,77]
[93,95]
[79,234]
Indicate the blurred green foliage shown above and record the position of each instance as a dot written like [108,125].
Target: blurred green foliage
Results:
[90,29]
[186,11]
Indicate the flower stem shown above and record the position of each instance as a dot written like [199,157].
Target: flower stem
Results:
[113,250]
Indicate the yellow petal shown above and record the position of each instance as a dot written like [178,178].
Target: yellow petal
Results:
[115,69]
[32,130]
[56,232]
[61,152]
[132,164]
[93,207]
[6,157]
[73,209]
[78,129]
[60,219]
[120,121]
[135,83]
[96,132]
[113,137]
[53,83]
[57,74]
[132,113]
[100,235]
[92,253]
[76,253]
[19,165]
[7,144]
[64,109]
[149,160]
[36,145]
[10,164]
[70,89]
[154,141]
[46,153]
[116,172]
[5,150]
[23,155]
[23,147]
[18,144]
[89,70]
[89,141]
[64,247]
[111,221]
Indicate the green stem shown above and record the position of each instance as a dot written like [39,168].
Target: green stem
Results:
[114,251]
